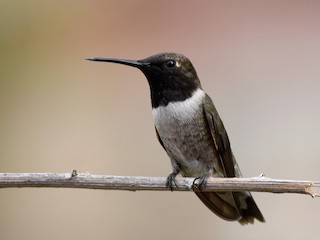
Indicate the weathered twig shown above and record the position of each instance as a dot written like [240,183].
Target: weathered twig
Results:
[86,180]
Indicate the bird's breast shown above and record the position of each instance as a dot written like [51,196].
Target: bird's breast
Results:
[183,130]
[177,117]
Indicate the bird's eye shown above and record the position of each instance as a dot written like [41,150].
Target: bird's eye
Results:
[171,63]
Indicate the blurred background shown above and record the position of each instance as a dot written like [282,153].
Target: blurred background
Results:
[258,60]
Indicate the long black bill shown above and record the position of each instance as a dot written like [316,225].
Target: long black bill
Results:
[132,63]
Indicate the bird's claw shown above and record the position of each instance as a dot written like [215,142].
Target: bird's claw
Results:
[199,183]
[171,181]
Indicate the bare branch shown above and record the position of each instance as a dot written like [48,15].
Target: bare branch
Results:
[86,180]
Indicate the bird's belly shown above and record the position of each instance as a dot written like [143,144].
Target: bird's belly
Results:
[190,144]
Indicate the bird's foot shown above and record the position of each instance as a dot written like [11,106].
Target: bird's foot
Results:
[199,183]
[171,181]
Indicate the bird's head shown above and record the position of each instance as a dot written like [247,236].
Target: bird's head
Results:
[171,76]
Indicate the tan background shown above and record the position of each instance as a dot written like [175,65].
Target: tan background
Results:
[259,61]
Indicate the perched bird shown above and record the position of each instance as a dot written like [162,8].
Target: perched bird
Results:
[190,130]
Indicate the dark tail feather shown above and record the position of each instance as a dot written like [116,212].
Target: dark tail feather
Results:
[219,206]
[251,212]
[225,206]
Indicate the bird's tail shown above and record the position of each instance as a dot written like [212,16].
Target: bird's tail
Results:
[232,206]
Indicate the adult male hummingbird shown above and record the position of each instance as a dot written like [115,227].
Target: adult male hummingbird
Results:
[190,130]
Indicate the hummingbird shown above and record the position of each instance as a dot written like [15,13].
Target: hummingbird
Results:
[191,132]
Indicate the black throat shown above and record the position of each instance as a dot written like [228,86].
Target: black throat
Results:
[162,97]
[169,87]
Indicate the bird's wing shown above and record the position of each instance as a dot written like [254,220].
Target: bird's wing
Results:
[220,138]
[236,205]
[224,204]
